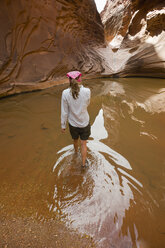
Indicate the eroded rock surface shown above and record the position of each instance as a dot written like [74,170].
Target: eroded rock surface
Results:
[42,40]
[135,33]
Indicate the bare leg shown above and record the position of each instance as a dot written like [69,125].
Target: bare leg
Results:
[83,151]
[75,143]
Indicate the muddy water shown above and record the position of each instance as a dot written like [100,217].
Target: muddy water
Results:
[120,199]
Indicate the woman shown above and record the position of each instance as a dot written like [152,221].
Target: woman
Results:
[74,103]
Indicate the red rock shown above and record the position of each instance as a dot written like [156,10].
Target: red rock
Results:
[135,30]
[42,40]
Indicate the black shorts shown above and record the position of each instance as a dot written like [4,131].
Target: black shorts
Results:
[83,132]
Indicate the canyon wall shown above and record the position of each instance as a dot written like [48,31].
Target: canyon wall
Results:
[135,35]
[41,40]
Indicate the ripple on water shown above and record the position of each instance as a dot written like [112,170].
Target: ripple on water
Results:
[95,200]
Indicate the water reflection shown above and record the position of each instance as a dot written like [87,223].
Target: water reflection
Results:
[120,198]
[95,201]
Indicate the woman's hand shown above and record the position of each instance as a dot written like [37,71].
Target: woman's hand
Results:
[63,130]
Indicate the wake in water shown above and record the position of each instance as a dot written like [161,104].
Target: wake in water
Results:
[95,200]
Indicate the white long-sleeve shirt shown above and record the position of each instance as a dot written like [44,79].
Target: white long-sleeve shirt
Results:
[75,110]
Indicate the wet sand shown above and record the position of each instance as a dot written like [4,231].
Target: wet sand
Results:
[18,232]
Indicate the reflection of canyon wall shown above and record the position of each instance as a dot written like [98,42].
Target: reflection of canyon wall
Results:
[135,33]
[43,39]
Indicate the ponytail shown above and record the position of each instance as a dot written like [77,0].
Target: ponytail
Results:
[74,87]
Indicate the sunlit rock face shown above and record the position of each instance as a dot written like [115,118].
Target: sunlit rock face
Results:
[43,39]
[135,34]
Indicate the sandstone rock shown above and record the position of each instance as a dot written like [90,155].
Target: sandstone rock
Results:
[137,37]
[42,40]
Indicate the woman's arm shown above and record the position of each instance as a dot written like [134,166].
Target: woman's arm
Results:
[64,112]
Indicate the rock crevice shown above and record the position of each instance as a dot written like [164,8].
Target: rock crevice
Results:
[138,38]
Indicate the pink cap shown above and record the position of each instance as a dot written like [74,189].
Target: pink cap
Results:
[74,74]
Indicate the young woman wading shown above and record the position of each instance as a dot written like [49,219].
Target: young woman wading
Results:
[74,103]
